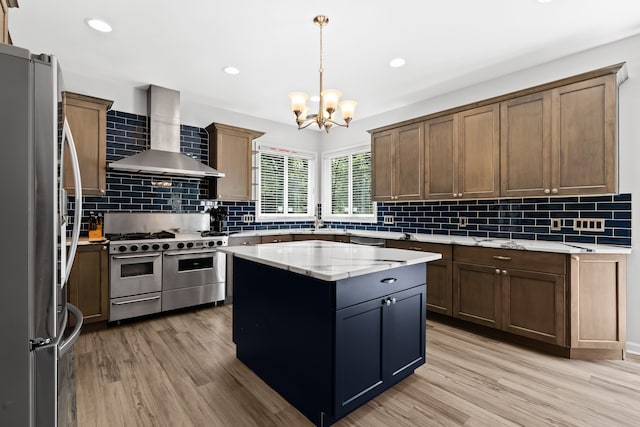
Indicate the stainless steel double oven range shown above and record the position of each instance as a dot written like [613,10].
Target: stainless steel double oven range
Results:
[162,261]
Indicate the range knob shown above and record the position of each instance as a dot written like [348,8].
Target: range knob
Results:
[190,244]
[144,247]
[155,247]
[122,248]
[165,246]
[219,242]
[134,248]
[180,245]
[211,243]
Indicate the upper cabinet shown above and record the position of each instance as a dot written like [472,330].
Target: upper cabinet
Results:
[230,152]
[559,138]
[462,154]
[87,117]
[560,141]
[397,163]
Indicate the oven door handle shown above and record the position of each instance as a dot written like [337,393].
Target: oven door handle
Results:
[195,252]
[133,301]
[148,255]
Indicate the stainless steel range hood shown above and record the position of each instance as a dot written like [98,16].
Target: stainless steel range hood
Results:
[164,156]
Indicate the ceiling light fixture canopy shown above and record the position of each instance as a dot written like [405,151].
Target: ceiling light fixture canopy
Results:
[329,99]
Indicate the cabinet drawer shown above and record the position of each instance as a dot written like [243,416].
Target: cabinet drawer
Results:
[511,258]
[445,250]
[134,306]
[244,241]
[358,289]
[277,238]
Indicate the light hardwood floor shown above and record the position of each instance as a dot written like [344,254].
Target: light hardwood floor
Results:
[181,370]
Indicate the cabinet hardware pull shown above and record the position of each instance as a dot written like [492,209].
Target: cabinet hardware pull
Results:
[504,272]
[386,301]
[393,300]
[497,271]
[577,258]
[102,191]
[388,280]
[554,191]
[547,191]
[136,300]
[502,258]
[415,248]
[104,248]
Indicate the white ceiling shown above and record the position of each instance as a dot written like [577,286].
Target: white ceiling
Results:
[184,45]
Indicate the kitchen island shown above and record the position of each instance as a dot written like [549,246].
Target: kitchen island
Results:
[329,325]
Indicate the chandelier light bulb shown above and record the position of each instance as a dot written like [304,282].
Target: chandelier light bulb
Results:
[298,101]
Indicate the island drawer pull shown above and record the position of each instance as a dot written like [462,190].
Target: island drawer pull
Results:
[502,258]
[388,280]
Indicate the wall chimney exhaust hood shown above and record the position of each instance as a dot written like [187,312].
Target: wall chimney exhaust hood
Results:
[164,156]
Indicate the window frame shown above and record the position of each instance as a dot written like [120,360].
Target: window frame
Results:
[285,152]
[326,187]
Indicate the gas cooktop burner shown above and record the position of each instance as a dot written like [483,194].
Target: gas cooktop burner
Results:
[140,236]
[211,233]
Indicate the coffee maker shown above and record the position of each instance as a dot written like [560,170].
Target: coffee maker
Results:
[217,219]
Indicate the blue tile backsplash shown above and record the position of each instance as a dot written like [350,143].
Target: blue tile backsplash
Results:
[513,218]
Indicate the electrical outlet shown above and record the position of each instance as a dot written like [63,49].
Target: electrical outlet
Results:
[462,222]
[556,223]
[588,224]
[387,219]
[247,218]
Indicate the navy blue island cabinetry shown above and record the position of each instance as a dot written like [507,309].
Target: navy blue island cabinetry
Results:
[329,346]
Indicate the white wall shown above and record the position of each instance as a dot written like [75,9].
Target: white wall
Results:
[628,51]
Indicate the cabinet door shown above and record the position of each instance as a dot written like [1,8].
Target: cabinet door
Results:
[87,117]
[404,333]
[88,282]
[231,151]
[598,301]
[382,165]
[525,146]
[441,152]
[439,287]
[534,305]
[584,137]
[359,354]
[409,163]
[478,163]
[477,294]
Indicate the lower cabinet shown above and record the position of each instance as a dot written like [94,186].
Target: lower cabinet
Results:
[277,238]
[312,236]
[378,343]
[477,294]
[88,286]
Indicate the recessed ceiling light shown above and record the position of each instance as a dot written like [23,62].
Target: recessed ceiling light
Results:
[231,70]
[397,62]
[99,25]
[315,98]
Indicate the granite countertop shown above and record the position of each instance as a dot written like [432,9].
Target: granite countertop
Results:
[329,261]
[528,245]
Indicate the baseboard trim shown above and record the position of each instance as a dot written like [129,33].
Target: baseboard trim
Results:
[633,348]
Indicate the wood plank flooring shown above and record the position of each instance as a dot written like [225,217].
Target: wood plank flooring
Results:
[180,370]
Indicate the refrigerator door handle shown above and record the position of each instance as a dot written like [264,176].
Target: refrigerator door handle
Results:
[77,215]
[65,345]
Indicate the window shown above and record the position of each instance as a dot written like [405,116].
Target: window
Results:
[348,179]
[285,184]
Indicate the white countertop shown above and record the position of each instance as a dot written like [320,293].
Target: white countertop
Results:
[529,245]
[329,260]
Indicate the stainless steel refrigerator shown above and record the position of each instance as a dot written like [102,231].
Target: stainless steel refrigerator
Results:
[36,365]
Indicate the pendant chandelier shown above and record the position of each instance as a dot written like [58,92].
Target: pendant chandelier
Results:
[328,102]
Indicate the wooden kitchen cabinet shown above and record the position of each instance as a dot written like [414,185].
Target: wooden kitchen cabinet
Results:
[477,294]
[87,117]
[597,305]
[88,287]
[439,274]
[525,146]
[583,137]
[462,154]
[328,237]
[230,152]
[397,163]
